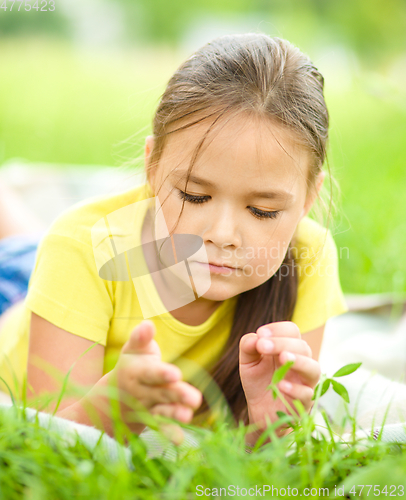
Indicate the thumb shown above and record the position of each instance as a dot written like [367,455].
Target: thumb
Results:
[173,432]
[248,349]
[141,340]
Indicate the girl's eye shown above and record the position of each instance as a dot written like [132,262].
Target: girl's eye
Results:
[260,214]
[192,198]
[264,215]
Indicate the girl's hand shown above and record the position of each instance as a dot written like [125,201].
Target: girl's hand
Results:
[264,352]
[155,384]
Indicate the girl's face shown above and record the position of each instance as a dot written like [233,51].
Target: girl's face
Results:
[245,196]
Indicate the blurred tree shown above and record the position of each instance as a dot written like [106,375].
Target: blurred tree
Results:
[371,27]
[167,22]
[32,22]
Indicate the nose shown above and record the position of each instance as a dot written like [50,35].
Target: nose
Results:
[223,229]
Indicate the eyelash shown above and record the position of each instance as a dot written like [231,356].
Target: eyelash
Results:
[259,214]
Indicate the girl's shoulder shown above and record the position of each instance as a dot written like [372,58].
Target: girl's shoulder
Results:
[312,243]
[320,296]
[77,221]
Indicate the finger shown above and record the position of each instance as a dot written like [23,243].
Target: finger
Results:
[141,340]
[301,392]
[158,373]
[279,329]
[248,350]
[173,432]
[179,392]
[173,410]
[307,368]
[275,345]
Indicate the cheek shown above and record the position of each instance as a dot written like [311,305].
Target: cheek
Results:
[171,210]
[267,262]
[277,234]
[269,253]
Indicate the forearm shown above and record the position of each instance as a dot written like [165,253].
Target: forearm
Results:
[258,422]
[93,409]
[77,413]
[252,437]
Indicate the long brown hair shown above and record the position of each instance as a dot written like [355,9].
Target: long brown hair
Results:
[268,78]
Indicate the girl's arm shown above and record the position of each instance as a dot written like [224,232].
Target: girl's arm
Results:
[139,373]
[53,347]
[60,349]
[314,339]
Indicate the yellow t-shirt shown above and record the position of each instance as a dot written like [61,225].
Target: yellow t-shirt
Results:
[65,288]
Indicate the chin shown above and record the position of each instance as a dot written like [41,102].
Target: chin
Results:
[224,291]
[219,294]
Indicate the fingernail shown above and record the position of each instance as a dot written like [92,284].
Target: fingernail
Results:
[267,346]
[287,386]
[173,432]
[171,376]
[290,356]
[184,414]
[265,332]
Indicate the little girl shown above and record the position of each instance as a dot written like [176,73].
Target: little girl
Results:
[233,167]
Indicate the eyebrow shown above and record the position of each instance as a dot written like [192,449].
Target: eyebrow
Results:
[272,195]
[181,174]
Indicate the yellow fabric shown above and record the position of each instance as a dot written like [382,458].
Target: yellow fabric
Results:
[66,290]
[319,295]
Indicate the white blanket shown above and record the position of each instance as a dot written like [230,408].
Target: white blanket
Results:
[92,438]
[379,342]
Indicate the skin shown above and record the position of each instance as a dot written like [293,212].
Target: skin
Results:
[263,352]
[244,156]
[230,232]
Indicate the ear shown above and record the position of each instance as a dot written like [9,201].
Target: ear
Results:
[311,199]
[149,146]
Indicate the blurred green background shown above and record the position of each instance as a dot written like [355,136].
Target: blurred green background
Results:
[79,85]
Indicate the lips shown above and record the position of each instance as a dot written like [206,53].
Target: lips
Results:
[218,264]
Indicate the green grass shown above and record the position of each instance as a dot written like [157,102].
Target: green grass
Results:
[368,152]
[61,106]
[37,464]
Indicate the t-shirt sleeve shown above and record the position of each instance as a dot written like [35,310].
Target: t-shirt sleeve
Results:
[66,290]
[320,296]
